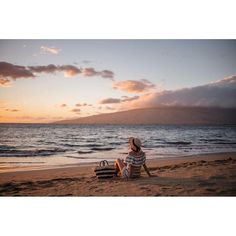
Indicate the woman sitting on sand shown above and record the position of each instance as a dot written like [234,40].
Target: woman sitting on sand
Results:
[136,157]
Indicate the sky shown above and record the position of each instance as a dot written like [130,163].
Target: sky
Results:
[48,80]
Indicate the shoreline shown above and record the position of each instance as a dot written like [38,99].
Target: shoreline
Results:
[94,163]
[200,175]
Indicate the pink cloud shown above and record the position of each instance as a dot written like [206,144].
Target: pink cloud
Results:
[69,70]
[134,86]
[221,93]
[89,72]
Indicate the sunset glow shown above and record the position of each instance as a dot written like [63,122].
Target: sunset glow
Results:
[47,80]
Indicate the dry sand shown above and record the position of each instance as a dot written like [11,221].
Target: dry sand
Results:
[202,175]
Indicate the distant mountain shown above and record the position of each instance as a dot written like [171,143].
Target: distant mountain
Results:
[161,115]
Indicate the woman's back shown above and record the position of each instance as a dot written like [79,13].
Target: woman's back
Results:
[136,158]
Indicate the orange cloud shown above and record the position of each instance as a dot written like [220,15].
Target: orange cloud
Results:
[134,86]
[51,50]
[12,110]
[63,105]
[69,70]
[4,82]
[76,110]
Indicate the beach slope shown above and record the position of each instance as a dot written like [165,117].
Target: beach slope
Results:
[203,175]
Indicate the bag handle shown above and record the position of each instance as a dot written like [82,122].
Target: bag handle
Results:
[103,163]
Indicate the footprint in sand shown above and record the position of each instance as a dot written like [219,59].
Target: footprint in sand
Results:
[165,188]
[98,190]
[92,187]
[145,188]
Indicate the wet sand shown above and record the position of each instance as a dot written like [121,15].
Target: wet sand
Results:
[200,175]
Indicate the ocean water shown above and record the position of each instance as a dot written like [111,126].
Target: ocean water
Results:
[54,145]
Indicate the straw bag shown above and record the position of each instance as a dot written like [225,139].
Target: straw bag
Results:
[104,170]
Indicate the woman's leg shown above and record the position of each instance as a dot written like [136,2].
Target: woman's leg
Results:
[119,165]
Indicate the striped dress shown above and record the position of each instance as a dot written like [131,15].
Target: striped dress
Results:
[134,159]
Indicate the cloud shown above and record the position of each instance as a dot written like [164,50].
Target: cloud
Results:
[12,110]
[47,118]
[82,104]
[110,108]
[9,72]
[51,50]
[128,99]
[4,82]
[107,74]
[43,69]
[110,101]
[63,105]
[226,82]
[76,110]
[89,72]
[69,70]
[221,93]
[118,100]
[134,86]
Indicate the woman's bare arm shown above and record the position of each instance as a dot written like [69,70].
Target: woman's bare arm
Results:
[147,170]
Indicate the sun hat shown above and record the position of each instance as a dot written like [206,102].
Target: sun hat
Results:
[135,144]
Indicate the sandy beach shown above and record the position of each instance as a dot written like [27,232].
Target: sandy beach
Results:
[202,175]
